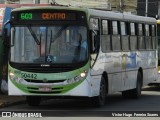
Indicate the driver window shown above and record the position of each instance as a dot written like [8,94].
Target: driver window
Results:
[94,35]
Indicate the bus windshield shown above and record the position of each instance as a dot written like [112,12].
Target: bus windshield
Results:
[49,44]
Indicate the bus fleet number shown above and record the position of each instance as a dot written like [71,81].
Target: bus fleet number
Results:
[32,76]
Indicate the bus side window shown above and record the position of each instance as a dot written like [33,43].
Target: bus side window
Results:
[133,37]
[153,36]
[124,36]
[116,44]
[105,36]
[141,40]
[148,37]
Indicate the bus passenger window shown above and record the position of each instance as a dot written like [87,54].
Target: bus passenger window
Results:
[148,38]
[115,27]
[133,37]
[124,36]
[132,26]
[141,40]
[105,37]
[153,36]
[116,45]
[123,28]
[104,27]
[140,32]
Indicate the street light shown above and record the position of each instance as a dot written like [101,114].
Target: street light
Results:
[146,13]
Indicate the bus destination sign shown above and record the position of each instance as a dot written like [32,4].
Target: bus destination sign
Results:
[47,16]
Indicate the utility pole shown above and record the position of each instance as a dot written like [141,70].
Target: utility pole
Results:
[121,5]
[158,10]
[146,12]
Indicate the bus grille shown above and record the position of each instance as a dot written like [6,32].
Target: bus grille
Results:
[42,81]
[46,70]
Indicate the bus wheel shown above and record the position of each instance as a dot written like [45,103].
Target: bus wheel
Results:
[33,100]
[136,93]
[126,94]
[99,101]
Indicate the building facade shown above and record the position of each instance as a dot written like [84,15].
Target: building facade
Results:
[152,8]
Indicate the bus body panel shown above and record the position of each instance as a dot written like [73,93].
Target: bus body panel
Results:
[83,89]
[123,68]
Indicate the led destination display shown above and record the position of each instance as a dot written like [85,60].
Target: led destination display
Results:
[47,16]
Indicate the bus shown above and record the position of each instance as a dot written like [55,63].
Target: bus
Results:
[117,53]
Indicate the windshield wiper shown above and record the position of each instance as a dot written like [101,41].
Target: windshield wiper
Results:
[33,35]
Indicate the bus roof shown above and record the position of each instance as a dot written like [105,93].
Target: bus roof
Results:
[96,13]
[122,16]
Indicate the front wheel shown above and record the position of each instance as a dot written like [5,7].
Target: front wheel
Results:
[100,100]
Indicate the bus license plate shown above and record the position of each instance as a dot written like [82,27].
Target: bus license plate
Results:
[46,89]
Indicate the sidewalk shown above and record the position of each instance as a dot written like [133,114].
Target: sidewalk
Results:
[6,100]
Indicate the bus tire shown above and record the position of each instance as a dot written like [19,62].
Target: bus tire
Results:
[100,100]
[136,93]
[33,100]
[126,94]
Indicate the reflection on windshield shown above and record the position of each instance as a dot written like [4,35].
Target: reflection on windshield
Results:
[53,44]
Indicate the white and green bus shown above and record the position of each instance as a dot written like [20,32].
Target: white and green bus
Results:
[117,53]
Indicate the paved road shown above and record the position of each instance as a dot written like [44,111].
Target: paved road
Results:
[149,102]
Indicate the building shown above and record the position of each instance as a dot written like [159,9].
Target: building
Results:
[152,8]
[128,6]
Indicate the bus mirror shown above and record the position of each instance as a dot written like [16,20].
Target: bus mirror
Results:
[5,36]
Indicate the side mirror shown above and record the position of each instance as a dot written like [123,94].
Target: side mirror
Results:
[5,37]
[5,34]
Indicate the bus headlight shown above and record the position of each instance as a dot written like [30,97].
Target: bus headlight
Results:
[83,74]
[77,78]
[12,76]
[16,79]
